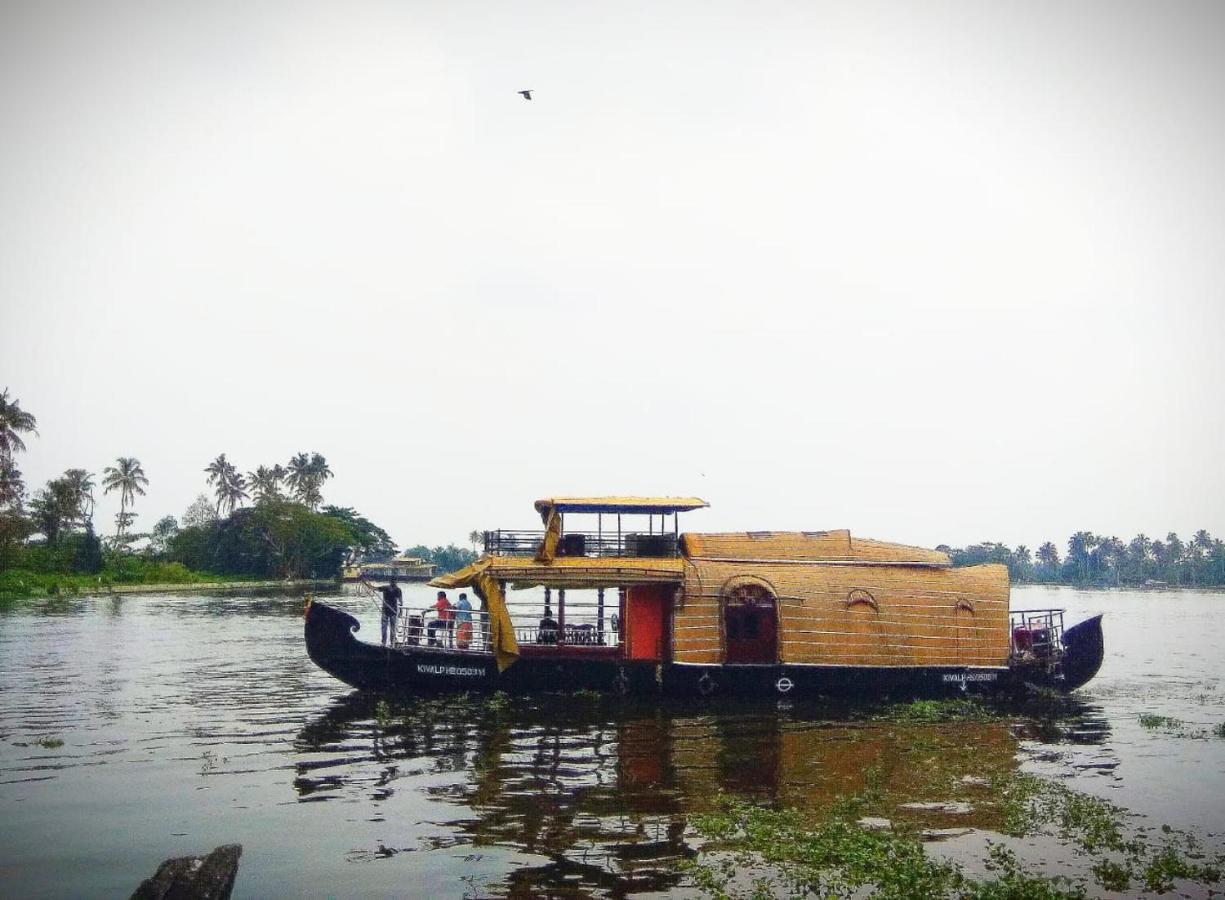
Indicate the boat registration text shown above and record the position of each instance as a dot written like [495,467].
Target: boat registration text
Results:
[971,676]
[464,671]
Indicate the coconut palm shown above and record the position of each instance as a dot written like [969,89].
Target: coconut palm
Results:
[127,477]
[14,422]
[307,473]
[297,476]
[474,538]
[266,483]
[232,492]
[222,474]
[83,483]
[1048,557]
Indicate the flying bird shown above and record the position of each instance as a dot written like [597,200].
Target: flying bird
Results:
[527,95]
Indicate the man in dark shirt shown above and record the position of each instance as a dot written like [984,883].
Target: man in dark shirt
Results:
[392,597]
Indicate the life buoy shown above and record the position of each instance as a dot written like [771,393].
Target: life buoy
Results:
[706,685]
[784,684]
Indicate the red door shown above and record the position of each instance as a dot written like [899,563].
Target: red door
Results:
[646,621]
[750,626]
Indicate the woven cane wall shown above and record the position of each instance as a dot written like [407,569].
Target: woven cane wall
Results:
[856,615]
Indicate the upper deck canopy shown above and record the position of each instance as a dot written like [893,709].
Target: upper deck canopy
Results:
[628,505]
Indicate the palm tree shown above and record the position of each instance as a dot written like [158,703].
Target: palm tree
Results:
[83,483]
[297,476]
[14,421]
[474,538]
[266,483]
[320,472]
[1048,556]
[1079,547]
[128,478]
[1139,554]
[306,476]
[232,492]
[222,474]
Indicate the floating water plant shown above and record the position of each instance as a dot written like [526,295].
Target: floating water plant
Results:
[760,852]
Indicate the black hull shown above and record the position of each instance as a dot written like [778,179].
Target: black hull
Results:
[1084,648]
[333,646]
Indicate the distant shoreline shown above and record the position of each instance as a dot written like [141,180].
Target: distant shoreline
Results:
[84,591]
[224,586]
[1167,589]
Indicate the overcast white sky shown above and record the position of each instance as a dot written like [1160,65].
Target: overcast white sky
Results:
[936,272]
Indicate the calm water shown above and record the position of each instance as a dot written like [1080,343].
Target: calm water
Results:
[190,722]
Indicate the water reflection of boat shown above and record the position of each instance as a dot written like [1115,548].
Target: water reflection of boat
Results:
[644,609]
[606,798]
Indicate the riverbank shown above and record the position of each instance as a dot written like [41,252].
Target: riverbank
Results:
[22,584]
[213,587]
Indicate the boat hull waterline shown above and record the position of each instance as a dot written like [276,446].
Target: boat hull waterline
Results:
[332,644]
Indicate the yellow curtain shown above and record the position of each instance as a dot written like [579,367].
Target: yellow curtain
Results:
[501,631]
[552,534]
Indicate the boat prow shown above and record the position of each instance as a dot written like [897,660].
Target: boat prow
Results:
[1084,648]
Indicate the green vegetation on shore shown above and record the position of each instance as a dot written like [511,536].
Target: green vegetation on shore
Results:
[48,546]
[1094,560]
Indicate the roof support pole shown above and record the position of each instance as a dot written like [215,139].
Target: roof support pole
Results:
[599,616]
[561,615]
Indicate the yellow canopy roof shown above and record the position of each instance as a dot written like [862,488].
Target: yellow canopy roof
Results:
[567,572]
[620,504]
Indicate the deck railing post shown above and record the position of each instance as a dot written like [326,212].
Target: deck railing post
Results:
[599,616]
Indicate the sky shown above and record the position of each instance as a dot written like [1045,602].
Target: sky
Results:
[939,273]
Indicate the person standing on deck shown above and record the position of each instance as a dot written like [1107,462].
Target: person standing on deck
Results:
[392,598]
[446,616]
[463,622]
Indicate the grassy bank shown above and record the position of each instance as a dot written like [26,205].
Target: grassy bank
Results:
[20,584]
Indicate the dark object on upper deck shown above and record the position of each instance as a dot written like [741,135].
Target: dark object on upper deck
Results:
[194,877]
[573,544]
[527,95]
[650,545]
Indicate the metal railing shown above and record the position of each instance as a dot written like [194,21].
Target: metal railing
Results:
[415,630]
[1036,632]
[570,636]
[583,543]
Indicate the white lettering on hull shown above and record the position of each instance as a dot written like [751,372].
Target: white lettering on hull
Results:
[963,677]
[461,671]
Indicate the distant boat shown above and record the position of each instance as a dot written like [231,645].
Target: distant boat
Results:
[402,568]
[654,611]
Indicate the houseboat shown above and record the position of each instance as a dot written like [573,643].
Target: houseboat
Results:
[401,568]
[627,603]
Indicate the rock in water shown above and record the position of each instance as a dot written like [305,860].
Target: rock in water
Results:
[194,877]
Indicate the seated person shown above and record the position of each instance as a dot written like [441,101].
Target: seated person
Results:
[415,627]
[547,633]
